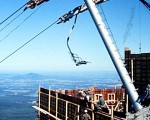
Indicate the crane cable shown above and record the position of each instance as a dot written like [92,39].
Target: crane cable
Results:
[19,24]
[12,14]
[78,60]
[29,41]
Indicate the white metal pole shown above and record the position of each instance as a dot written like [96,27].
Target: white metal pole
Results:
[66,110]
[114,54]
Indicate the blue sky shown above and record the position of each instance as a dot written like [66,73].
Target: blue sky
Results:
[49,51]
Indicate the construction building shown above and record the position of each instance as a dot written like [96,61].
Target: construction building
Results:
[66,105]
[138,66]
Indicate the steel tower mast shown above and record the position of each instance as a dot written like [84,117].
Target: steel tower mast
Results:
[114,54]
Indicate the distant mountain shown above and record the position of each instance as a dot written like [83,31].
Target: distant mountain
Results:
[33,76]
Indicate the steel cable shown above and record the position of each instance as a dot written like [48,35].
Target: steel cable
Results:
[29,41]
[12,14]
[11,21]
[19,25]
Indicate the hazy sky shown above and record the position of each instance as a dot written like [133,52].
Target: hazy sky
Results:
[49,51]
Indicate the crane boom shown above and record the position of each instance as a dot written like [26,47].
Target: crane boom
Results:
[146,4]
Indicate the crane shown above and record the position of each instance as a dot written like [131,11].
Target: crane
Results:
[146,4]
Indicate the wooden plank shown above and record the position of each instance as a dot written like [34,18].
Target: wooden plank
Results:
[45,112]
